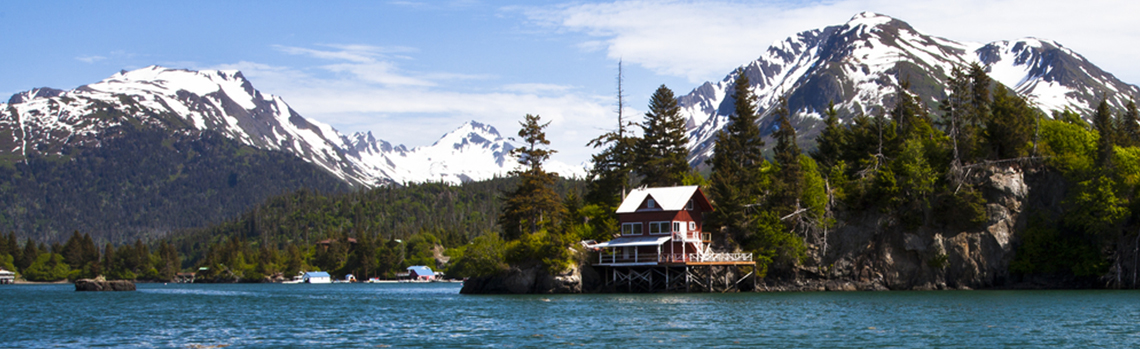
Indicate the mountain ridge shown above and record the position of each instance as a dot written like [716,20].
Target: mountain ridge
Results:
[226,102]
[859,64]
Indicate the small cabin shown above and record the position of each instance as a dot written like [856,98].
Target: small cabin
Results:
[7,276]
[663,226]
[421,273]
[316,277]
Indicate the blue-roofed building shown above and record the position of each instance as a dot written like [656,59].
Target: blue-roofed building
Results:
[317,277]
[421,273]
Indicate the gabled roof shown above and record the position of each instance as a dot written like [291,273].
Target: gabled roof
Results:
[317,274]
[667,198]
[421,270]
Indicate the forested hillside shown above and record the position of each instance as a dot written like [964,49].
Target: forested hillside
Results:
[143,182]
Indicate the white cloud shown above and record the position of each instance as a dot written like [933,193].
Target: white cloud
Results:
[90,59]
[361,92]
[532,88]
[703,41]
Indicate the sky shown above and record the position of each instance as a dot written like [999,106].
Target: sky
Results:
[410,71]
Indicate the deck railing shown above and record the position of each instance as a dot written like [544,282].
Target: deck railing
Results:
[720,257]
[620,258]
[605,258]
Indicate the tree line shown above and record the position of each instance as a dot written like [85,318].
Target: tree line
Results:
[918,166]
[80,258]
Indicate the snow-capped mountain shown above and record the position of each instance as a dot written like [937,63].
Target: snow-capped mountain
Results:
[473,151]
[45,121]
[860,64]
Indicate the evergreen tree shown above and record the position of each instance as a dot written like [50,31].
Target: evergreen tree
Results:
[72,251]
[90,251]
[293,260]
[661,158]
[365,256]
[169,263]
[14,247]
[1102,122]
[1009,129]
[736,163]
[610,175]
[966,109]
[109,266]
[830,143]
[909,117]
[533,205]
[28,256]
[788,183]
[1129,126]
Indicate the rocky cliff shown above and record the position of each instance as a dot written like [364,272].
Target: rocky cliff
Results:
[868,250]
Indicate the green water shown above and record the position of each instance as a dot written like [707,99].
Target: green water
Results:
[436,315]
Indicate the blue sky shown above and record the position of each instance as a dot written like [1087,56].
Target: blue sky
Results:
[410,71]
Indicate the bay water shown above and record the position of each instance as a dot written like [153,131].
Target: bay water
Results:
[436,315]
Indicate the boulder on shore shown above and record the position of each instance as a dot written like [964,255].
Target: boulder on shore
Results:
[104,285]
[535,279]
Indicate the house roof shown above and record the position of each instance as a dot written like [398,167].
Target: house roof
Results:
[317,274]
[635,241]
[668,198]
[421,270]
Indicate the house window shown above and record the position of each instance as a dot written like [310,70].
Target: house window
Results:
[676,226]
[650,204]
[631,228]
[689,205]
[692,225]
[659,228]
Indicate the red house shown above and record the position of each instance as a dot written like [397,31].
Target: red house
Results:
[663,226]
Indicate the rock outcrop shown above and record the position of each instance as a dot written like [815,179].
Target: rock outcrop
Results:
[103,285]
[535,279]
[870,250]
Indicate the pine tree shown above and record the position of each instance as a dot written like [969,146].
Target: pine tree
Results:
[90,251]
[533,205]
[14,247]
[661,158]
[1009,129]
[1102,122]
[788,183]
[830,143]
[110,265]
[72,251]
[736,163]
[610,175]
[29,255]
[1129,126]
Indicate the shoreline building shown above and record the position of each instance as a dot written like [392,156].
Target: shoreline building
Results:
[663,247]
[7,276]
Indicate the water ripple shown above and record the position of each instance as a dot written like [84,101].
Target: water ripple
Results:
[435,315]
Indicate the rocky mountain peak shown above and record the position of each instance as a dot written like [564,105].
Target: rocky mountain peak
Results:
[859,65]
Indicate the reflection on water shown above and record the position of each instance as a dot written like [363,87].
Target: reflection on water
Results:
[435,315]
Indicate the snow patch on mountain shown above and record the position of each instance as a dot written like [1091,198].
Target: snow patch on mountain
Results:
[42,120]
[860,64]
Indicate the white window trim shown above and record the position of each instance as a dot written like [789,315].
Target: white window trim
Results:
[666,224]
[692,226]
[636,228]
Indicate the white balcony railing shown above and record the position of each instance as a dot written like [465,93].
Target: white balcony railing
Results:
[720,257]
